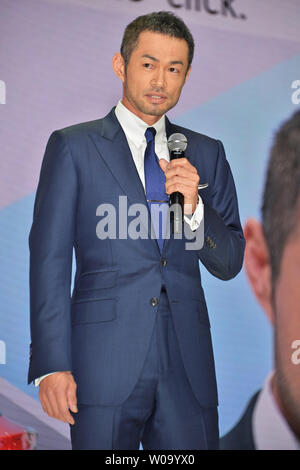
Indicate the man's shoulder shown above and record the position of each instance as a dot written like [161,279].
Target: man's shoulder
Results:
[240,437]
[82,129]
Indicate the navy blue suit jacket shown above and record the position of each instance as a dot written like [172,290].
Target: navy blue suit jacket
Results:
[101,330]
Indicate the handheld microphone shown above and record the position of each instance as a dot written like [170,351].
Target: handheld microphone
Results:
[177,144]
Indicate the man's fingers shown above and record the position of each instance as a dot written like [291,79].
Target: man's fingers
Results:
[183,178]
[56,407]
[179,162]
[183,172]
[184,186]
[73,407]
[180,181]
[70,419]
[50,401]
[63,408]
[72,401]
[58,395]
[66,416]
[46,405]
[163,164]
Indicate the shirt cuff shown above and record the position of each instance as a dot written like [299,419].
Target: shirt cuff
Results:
[195,219]
[38,381]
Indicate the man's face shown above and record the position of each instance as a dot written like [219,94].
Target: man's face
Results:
[283,309]
[155,75]
[287,330]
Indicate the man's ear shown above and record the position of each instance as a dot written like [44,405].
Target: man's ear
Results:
[257,266]
[118,65]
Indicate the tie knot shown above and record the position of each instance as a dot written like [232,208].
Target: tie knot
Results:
[150,134]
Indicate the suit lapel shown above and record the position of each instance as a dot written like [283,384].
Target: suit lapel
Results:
[170,128]
[116,153]
[112,145]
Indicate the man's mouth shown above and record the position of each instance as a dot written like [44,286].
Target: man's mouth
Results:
[156,97]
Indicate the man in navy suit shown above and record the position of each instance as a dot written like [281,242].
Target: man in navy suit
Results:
[127,358]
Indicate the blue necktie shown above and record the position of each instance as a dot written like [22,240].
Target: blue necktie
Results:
[158,200]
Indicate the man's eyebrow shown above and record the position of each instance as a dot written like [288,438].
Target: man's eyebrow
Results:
[173,62]
[147,56]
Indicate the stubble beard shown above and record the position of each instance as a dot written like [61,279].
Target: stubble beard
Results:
[145,108]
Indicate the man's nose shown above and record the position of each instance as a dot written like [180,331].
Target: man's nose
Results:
[159,79]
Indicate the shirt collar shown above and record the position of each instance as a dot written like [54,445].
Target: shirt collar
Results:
[270,429]
[135,128]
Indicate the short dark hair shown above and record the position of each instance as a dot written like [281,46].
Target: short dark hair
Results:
[163,22]
[281,199]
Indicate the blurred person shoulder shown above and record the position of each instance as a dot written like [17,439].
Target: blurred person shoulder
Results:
[240,437]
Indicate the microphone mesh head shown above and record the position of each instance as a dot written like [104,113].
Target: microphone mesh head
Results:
[177,142]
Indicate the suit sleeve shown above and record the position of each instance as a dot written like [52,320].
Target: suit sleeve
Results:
[51,242]
[223,250]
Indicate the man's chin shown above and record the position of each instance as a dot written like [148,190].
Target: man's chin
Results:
[156,110]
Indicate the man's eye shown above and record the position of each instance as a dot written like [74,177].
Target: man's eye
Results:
[147,65]
[174,70]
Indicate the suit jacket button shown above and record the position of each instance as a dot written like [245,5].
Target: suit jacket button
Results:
[154,301]
[163,262]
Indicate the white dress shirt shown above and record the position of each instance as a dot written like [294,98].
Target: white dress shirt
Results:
[134,129]
[270,429]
